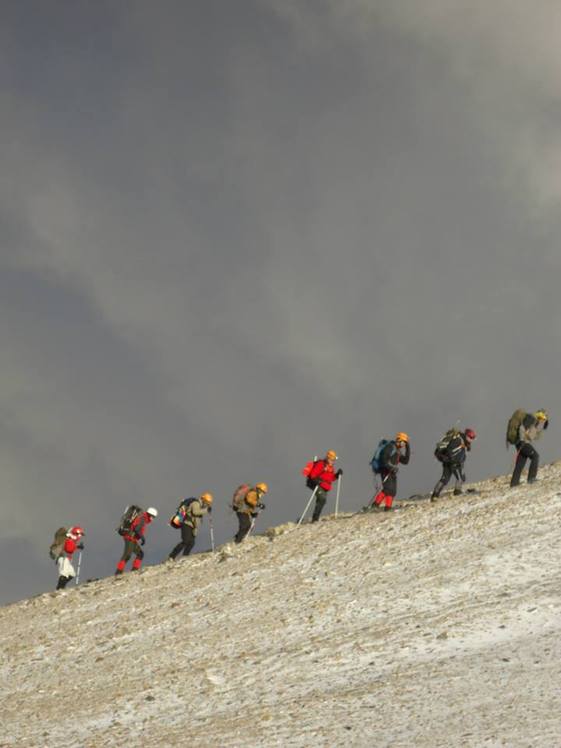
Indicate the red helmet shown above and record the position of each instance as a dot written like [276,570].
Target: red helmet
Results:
[470,434]
[78,531]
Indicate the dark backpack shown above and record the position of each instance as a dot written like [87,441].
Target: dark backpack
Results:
[513,426]
[441,450]
[239,496]
[310,482]
[57,545]
[177,519]
[376,463]
[129,515]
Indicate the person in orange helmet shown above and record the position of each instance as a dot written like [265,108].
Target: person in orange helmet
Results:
[396,452]
[188,518]
[247,505]
[321,476]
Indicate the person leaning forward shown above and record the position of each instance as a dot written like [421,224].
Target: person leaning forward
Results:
[188,519]
[247,509]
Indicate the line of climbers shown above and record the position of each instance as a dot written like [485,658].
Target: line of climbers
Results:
[451,451]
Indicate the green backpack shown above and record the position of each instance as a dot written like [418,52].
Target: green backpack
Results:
[58,543]
[513,427]
[442,445]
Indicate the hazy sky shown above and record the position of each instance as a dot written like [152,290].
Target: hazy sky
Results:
[237,234]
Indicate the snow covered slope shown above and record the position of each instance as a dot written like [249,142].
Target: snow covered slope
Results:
[439,625]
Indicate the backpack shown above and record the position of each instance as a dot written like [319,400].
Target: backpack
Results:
[513,427]
[306,470]
[376,462]
[57,545]
[129,515]
[178,518]
[440,451]
[239,496]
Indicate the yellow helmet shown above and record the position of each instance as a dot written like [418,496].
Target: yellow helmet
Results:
[263,487]
[207,498]
[401,436]
[541,415]
[331,454]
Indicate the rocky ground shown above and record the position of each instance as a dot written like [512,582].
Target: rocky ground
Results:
[436,625]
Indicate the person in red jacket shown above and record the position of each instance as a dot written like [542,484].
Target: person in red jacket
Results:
[72,543]
[321,477]
[134,539]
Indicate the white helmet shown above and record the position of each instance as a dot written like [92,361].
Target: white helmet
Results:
[152,512]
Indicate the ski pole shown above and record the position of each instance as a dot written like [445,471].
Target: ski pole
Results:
[337,497]
[307,506]
[211,533]
[79,564]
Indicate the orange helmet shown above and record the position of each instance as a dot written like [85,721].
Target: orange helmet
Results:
[263,487]
[331,454]
[401,436]
[206,498]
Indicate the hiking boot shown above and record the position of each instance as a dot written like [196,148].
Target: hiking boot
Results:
[118,572]
[458,492]
[434,498]
[533,480]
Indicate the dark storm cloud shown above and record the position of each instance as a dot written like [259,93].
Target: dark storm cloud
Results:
[236,235]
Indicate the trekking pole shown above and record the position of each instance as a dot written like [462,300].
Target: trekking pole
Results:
[337,497]
[307,506]
[211,532]
[79,564]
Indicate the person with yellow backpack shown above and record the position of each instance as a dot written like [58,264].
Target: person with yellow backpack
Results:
[247,504]
[188,518]
[523,429]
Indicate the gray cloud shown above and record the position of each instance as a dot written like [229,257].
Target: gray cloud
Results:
[233,237]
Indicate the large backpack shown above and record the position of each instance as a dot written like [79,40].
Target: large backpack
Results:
[178,518]
[376,463]
[238,498]
[440,451]
[513,427]
[129,515]
[57,545]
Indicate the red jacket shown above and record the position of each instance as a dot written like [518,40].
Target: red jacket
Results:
[70,546]
[138,527]
[323,473]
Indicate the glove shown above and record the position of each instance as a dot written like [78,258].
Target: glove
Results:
[209,510]
[261,506]
[80,547]
[142,540]
[339,473]
[254,514]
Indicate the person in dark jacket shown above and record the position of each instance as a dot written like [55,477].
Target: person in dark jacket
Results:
[321,477]
[134,539]
[453,457]
[396,452]
[531,428]
[188,519]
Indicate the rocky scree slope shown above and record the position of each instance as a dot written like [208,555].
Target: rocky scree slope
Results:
[438,625]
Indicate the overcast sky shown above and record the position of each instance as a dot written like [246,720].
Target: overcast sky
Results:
[238,234]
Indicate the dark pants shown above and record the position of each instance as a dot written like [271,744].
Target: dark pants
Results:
[130,547]
[246,523]
[389,483]
[187,542]
[62,582]
[525,452]
[321,498]
[449,469]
